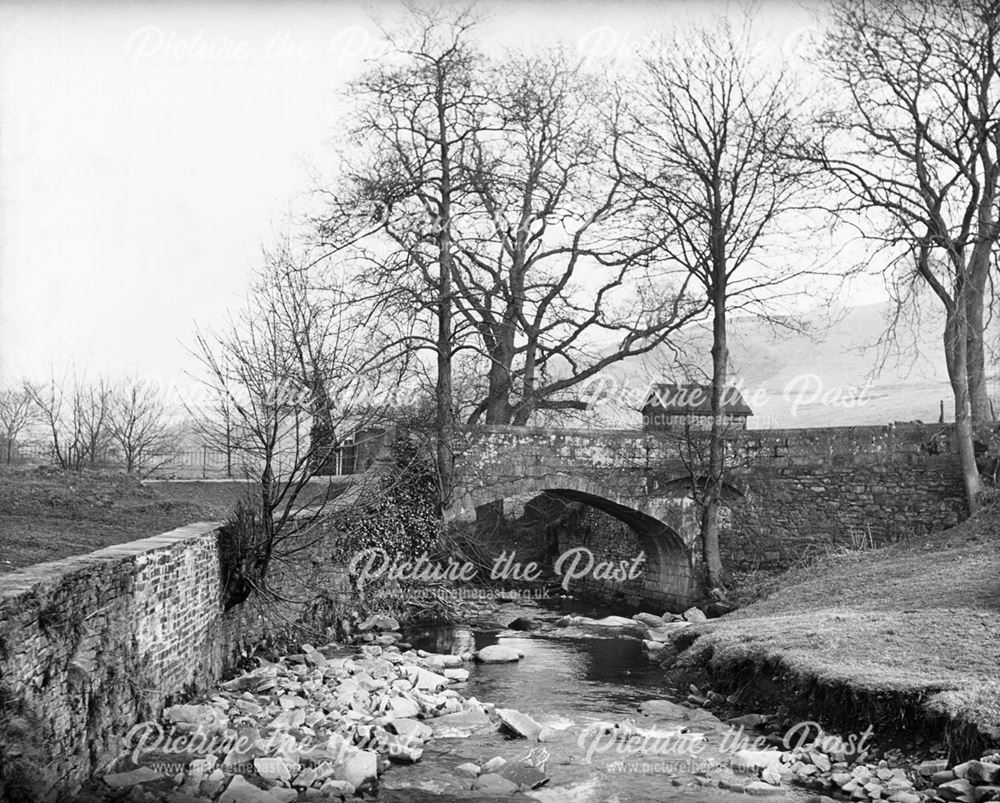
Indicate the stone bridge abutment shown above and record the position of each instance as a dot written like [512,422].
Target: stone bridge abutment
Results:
[788,491]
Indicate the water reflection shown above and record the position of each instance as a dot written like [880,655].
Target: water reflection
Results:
[566,676]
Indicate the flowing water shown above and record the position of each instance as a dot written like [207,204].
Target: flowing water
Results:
[575,682]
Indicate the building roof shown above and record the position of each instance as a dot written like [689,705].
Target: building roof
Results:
[694,399]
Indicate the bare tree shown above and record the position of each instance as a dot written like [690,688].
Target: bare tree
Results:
[493,203]
[413,113]
[139,424]
[709,141]
[266,366]
[916,152]
[17,412]
[556,267]
[75,413]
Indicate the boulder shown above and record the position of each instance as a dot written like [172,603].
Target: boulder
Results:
[649,619]
[460,725]
[519,724]
[411,729]
[525,776]
[979,772]
[959,789]
[694,615]
[498,654]
[467,770]
[522,623]
[356,766]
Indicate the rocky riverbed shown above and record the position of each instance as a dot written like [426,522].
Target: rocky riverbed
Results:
[378,720]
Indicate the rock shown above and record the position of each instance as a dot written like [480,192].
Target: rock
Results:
[240,790]
[754,760]
[694,615]
[461,724]
[333,787]
[959,789]
[493,784]
[306,778]
[649,619]
[443,661]
[748,721]
[522,623]
[378,622]
[282,795]
[411,728]
[821,762]
[519,724]
[140,775]
[760,788]
[402,708]
[988,792]
[524,776]
[493,764]
[942,777]
[207,718]
[458,675]
[467,770]
[498,654]
[272,768]
[426,680]
[928,768]
[979,772]
[404,750]
[666,709]
[356,766]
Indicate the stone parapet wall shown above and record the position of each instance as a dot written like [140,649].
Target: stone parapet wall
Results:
[94,644]
[90,645]
[790,489]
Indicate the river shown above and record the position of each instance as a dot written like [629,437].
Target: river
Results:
[575,681]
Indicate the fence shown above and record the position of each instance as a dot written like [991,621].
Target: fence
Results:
[198,463]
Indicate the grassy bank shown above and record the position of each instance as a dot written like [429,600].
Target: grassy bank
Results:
[906,638]
[47,514]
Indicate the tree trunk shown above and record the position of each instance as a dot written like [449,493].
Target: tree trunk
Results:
[445,424]
[955,347]
[712,492]
[979,400]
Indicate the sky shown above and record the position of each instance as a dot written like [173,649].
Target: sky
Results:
[147,151]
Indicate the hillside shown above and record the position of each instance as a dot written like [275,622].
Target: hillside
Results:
[829,377]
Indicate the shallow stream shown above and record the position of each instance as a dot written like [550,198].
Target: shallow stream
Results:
[575,681]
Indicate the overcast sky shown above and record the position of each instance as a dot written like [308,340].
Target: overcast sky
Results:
[147,150]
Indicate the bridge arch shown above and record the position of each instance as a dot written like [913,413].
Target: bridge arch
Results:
[669,571]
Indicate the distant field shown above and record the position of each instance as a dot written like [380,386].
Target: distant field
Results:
[47,514]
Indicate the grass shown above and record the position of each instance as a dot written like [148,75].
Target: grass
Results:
[47,514]
[915,625]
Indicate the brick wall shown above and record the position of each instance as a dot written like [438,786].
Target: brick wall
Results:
[93,644]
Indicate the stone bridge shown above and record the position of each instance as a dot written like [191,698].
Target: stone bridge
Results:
[789,491]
